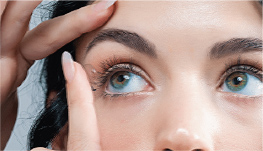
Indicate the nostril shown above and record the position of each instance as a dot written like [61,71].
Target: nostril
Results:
[197,150]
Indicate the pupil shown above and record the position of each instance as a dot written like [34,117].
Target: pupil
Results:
[237,80]
[120,78]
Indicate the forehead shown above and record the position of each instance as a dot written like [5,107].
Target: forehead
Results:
[173,25]
[170,17]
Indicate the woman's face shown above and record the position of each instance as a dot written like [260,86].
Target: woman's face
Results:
[177,75]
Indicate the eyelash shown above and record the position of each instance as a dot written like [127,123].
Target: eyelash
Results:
[242,66]
[110,67]
[113,65]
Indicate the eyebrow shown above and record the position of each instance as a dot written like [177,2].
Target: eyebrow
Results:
[140,44]
[127,38]
[235,46]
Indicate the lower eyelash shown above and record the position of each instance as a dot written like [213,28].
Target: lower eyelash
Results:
[105,94]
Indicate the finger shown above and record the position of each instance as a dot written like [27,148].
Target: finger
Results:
[40,149]
[83,130]
[14,23]
[53,34]
[2,4]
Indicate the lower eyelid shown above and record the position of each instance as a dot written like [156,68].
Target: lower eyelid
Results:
[243,101]
[127,95]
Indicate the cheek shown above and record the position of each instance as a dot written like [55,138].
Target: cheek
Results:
[241,123]
[125,124]
[235,135]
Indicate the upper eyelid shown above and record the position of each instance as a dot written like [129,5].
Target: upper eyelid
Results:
[104,77]
[241,68]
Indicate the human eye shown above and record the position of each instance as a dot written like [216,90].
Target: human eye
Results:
[244,80]
[121,78]
[125,82]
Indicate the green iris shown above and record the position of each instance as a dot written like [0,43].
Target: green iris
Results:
[236,81]
[120,79]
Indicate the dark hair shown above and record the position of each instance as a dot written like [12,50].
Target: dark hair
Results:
[55,114]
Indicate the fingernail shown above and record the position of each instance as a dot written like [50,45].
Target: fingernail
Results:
[104,4]
[68,66]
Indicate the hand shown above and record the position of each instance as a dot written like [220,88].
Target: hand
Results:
[20,47]
[83,130]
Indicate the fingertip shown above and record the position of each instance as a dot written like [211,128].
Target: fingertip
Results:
[103,5]
[68,66]
[96,15]
[79,88]
[40,149]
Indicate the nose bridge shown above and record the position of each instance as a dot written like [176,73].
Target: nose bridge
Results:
[187,121]
[189,96]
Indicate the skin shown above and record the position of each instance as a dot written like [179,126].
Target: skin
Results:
[184,109]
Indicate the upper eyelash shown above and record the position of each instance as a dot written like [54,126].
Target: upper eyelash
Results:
[109,67]
[103,77]
[247,68]
[106,64]
[242,68]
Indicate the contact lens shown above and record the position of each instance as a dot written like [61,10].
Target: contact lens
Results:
[237,81]
[120,79]
[91,71]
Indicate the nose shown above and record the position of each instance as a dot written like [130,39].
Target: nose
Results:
[184,140]
[188,119]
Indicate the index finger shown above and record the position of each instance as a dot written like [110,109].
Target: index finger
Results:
[83,130]
[52,34]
